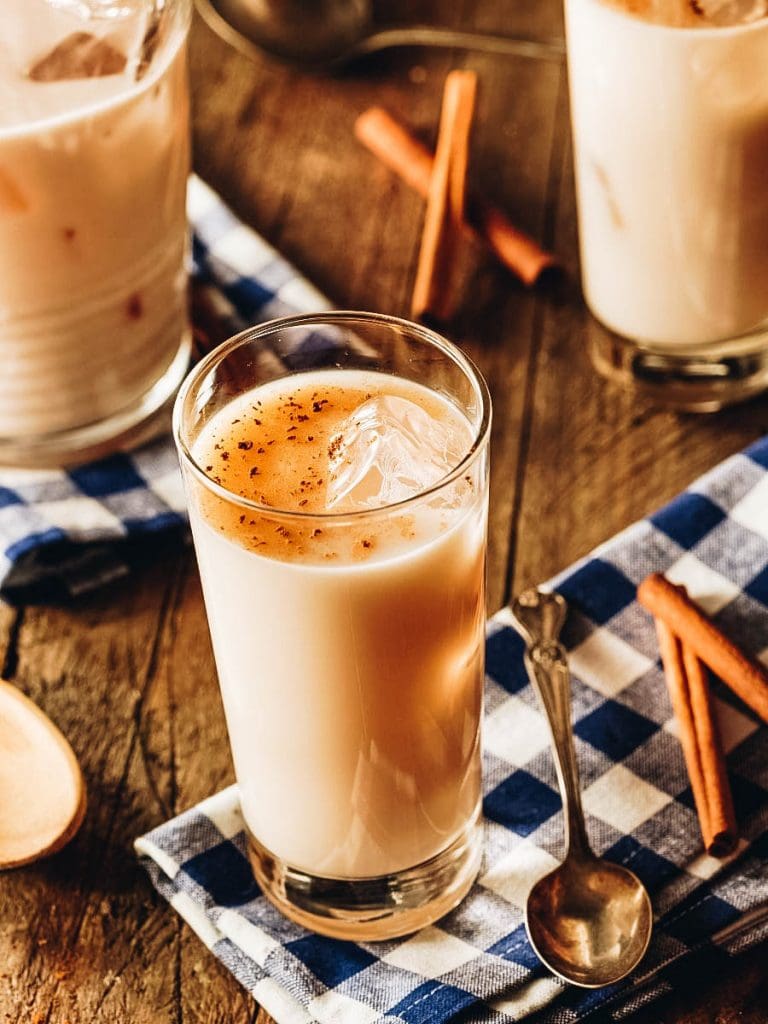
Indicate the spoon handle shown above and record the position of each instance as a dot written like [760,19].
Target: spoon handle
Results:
[428,35]
[547,668]
[539,615]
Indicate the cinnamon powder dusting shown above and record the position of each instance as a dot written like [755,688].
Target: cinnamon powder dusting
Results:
[277,455]
[279,459]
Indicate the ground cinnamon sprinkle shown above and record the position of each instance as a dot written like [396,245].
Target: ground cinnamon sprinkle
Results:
[291,477]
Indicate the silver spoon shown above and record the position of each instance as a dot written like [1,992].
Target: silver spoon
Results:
[588,920]
[328,34]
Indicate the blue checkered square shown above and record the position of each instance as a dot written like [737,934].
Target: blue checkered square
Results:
[599,590]
[9,497]
[521,803]
[224,873]
[758,587]
[652,870]
[517,948]
[330,960]
[758,452]
[107,477]
[431,1002]
[504,660]
[688,519]
[615,729]
[698,917]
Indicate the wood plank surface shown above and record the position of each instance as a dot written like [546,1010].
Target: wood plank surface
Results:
[128,673]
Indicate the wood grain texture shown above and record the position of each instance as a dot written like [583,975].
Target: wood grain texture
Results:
[128,674]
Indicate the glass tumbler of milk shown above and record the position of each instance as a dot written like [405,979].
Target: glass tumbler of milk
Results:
[336,472]
[94,157]
[669,107]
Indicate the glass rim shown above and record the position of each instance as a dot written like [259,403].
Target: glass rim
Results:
[683,31]
[481,433]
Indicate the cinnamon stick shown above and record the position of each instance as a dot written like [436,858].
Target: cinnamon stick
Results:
[412,161]
[722,817]
[700,740]
[744,675]
[445,199]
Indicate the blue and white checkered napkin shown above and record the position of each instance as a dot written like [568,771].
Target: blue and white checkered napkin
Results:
[476,965]
[66,531]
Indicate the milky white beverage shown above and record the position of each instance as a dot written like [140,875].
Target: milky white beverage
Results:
[93,168]
[669,103]
[350,653]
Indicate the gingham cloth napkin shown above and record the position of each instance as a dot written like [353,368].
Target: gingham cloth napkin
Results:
[476,964]
[66,531]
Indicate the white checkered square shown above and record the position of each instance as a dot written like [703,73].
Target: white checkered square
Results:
[607,663]
[752,510]
[244,251]
[224,813]
[515,732]
[734,725]
[170,490]
[529,998]
[513,875]
[300,294]
[196,918]
[201,200]
[334,1007]
[623,799]
[247,936]
[431,952]
[705,586]
[81,517]
[279,1003]
[20,479]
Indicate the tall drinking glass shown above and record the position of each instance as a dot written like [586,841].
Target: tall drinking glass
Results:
[669,105]
[336,471]
[94,159]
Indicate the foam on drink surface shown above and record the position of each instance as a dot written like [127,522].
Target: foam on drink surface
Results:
[339,442]
[694,13]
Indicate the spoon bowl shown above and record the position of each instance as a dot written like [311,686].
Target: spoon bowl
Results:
[590,922]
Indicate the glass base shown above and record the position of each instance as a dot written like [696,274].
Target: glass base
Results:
[124,430]
[693,379]
[370,909]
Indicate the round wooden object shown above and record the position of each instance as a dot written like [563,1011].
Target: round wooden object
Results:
[42,792]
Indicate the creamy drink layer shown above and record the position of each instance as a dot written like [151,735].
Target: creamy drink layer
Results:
[349,647]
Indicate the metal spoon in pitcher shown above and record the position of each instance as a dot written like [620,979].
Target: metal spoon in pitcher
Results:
[328,34]
[588,920]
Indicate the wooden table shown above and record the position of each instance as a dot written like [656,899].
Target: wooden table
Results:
[127,673]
